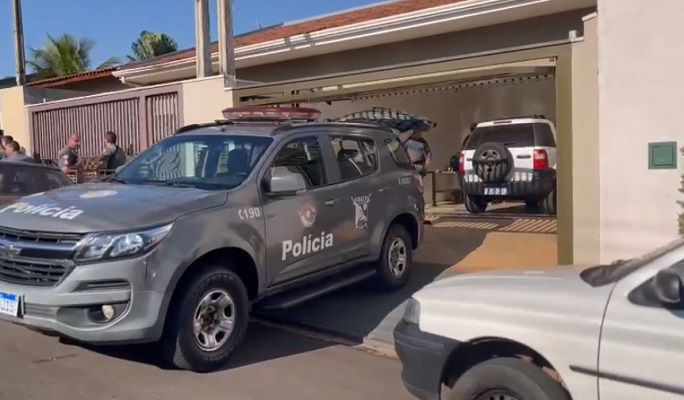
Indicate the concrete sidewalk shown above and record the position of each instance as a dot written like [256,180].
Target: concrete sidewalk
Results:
[364,315]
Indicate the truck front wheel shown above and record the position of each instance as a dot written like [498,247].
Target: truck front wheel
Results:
[506,379]
[207,322]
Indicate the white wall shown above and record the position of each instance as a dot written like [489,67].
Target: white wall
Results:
[641,60]
[455,111]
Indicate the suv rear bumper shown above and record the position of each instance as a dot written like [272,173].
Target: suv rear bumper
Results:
[423,357]
[540,184]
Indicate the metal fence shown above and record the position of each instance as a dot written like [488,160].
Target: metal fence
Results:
[138,117]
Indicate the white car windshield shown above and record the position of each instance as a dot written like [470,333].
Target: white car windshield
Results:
[202,161]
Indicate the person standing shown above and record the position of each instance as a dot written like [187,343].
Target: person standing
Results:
[13,153]
[113,156]
[68,156]
[4,142]
[419,151]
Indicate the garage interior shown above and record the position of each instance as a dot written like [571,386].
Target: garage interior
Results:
[452,98]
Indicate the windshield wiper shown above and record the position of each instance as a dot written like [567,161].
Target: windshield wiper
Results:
[113,179]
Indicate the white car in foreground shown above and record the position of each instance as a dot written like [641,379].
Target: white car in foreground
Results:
[613,332]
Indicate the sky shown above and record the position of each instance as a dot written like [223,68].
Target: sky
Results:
[115,24]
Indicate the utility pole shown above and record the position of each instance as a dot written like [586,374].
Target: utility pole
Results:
[19,43]
[202,38]
[226,43]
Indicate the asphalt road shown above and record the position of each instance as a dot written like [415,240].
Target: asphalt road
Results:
[272,364]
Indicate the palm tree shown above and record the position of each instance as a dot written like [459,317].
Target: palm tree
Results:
[149,45]
[64,55]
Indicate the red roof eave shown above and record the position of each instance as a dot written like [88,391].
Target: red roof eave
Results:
[309,26]
[74,78]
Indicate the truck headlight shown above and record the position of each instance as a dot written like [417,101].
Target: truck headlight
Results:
[412,311]
[116,245]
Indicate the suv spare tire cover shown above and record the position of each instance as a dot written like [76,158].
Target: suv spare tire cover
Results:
[492,162]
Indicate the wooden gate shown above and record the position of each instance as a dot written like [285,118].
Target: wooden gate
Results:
[139,117]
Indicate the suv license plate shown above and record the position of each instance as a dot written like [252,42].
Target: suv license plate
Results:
[9,304]
[496,191]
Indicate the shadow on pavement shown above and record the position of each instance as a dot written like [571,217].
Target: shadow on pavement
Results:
[354,313]
[262,343]
[360,311]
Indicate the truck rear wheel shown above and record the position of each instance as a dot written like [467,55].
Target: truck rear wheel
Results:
[394,266]
[507,379]
[475,204]
[207,322]
[549,202]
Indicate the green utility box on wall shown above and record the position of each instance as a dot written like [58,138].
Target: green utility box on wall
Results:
[662,155]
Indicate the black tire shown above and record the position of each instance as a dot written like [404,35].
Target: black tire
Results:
[532,206]
[492,161]
[475,204]
[389,277]
[179,346]
[498,377]
[549,202]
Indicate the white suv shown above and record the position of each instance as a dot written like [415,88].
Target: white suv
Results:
[510,159]
[613,332]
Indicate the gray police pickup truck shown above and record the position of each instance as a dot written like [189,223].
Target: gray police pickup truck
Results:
[208,223]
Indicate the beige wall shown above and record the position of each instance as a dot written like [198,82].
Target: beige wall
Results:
[585,142]
[204,99]
[455,111]
[641,59]
[14,116]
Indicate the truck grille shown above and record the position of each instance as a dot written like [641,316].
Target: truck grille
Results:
[31,273]
[15,235]
[35,258]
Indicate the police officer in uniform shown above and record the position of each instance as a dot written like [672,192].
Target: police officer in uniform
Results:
[68,156]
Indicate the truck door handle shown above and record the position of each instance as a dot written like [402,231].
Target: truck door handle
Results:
[523,156]
[330,202]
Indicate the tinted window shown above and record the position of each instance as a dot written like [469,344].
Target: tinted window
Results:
[513,135]
[20,181]
[206,162]
[305,156]
[398,153]
[355,157]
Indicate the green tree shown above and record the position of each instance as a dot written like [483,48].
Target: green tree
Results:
[150,44]
[64,55]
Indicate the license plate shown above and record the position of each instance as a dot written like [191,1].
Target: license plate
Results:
[9,304]
[496,191]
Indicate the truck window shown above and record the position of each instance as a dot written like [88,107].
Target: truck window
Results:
[204,161]
[305,156]
[355,157]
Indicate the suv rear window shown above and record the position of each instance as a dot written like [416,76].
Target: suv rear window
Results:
[398,153]
[513,135]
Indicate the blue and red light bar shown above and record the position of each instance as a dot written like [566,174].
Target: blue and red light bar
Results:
[255,113]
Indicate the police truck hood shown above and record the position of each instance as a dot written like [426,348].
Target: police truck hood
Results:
[105,207]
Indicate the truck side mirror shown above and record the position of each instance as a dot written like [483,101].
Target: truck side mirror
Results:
[285,181]
[667,286]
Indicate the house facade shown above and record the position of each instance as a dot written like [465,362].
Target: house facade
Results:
[603,70]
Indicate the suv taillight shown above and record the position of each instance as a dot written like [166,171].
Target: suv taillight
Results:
[541,159]
[461,163]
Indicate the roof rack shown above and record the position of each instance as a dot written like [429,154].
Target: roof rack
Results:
[538,116]
[191,127]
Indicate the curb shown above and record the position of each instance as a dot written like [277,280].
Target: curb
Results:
[371,343]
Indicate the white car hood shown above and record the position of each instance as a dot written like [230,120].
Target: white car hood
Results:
[513,304]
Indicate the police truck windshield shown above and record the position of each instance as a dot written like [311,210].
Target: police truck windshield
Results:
[211,162]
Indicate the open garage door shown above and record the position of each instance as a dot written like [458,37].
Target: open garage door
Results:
[455,94]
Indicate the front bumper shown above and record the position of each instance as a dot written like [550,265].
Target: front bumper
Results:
[535,184]
[64,308]
[423,357]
